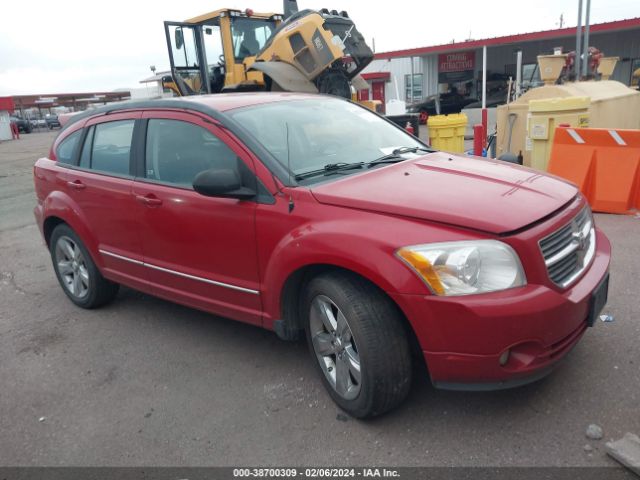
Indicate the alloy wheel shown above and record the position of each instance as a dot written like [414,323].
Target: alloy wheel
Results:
[335,347]
[72,267]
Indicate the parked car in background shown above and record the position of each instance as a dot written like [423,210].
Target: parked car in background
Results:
[494,99]
[327,221]
[38,123]
[52,122]
[24,126]
[440,104]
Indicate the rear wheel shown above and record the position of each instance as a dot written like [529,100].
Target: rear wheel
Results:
[357,340]
[76,272]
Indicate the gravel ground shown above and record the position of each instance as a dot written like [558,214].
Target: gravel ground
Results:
[146,382]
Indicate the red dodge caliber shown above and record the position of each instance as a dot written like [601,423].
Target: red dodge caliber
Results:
[310,215]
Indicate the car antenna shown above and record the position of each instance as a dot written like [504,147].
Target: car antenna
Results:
[291,204]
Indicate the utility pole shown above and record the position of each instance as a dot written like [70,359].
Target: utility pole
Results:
[561,20]
[576,67]
[585,61]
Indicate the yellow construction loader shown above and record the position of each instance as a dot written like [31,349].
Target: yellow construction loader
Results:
[237,51]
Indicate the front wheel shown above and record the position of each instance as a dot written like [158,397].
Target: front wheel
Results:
[358,342]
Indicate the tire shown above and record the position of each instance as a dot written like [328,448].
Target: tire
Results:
[368,336]
[77,274]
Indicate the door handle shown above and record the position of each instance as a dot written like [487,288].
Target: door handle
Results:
[77,185]
[149,200]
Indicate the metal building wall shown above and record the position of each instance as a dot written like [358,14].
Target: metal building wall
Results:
[624,44]
[399,67]
[430,69]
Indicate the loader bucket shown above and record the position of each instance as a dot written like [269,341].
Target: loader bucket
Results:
[287,77]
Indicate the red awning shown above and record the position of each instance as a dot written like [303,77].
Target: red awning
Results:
[615,26]
[377,76]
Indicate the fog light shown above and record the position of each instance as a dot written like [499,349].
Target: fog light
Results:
[504,358]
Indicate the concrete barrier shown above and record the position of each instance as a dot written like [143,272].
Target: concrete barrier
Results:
[603,163]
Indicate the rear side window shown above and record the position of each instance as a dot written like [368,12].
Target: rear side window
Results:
[177,151]
[110,147]
[66,149]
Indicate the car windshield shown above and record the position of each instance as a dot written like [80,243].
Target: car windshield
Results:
[310,134]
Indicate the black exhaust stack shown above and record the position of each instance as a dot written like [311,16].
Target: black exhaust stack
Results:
[290,8]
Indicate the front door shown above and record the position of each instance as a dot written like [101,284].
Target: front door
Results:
[377,90]
[198,250]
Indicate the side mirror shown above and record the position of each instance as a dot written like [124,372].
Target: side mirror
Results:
[224,183]
[178,38]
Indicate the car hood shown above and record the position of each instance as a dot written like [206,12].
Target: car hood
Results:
[471,192]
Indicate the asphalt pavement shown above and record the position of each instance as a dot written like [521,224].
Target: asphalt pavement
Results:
[146,382]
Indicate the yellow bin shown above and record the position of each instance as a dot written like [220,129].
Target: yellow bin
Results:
[543,118]
[446,132]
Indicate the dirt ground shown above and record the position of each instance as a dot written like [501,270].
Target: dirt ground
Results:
[146,382]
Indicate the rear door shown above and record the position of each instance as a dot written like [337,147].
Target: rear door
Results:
[100,185]
[198,250]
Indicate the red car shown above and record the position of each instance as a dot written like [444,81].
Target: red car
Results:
[309,215]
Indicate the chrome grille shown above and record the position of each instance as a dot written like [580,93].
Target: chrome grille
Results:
[568,251]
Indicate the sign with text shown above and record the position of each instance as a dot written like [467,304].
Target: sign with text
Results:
[456,67]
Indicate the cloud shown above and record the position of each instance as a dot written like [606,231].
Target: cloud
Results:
[72,45]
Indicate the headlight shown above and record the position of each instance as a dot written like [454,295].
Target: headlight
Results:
[464,268]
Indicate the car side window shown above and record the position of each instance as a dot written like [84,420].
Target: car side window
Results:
[177,151]
[64,152]
[111,147]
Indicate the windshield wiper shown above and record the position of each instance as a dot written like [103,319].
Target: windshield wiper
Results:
[412,150]
[395,156]
[329,169]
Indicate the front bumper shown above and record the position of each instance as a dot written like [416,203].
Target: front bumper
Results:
[463,338]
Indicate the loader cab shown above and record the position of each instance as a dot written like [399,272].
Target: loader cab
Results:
[211,53]
[250,35]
